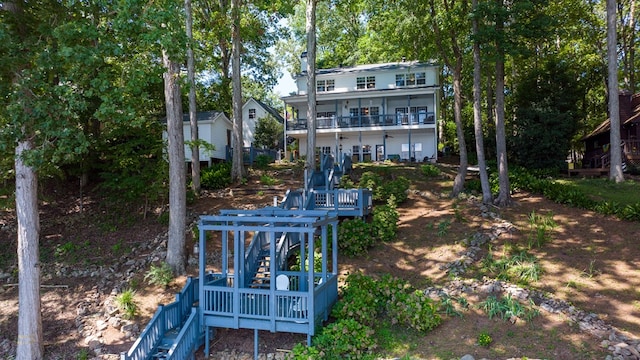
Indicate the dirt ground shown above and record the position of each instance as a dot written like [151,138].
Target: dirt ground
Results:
[590,261]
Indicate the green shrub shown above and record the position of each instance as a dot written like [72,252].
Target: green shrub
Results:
[262,161]
[344,339]
[361,300]
[385,221]
[397,188]
[354,237]
[430,170]
[414,309]
[217,176]
[507,308]
[484,339]
[126,303]
[365,300]
[521,268]
[159,275]
[370,180]
[268,180]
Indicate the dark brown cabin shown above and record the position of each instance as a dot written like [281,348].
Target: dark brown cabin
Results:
[597,143]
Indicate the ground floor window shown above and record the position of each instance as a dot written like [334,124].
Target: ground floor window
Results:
[412,153]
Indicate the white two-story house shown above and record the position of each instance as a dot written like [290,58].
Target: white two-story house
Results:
[370,112]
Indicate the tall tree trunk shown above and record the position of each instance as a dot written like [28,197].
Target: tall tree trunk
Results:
[191,78]
[615,170]
[477,115]
[30,341]
[237,166]
[310,164]
[504,194]
[458,182]
[177,176]
[439,38]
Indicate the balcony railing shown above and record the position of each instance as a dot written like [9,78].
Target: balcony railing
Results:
[342,122]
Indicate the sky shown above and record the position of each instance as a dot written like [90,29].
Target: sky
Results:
[285,84]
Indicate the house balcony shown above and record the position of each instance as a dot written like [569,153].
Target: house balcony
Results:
[365,121]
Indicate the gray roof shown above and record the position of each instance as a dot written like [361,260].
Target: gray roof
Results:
[202,116]
[271,111]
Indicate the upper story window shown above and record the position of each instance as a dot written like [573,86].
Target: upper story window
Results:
[368,82]
[252,114]
[413,79]
[325,85]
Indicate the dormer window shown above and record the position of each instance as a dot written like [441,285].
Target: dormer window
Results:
[325,85]
[368,82]
[412,79]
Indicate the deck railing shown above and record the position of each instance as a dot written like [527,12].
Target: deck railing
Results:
[364,121]
[253,304]
[188,338]
[167,317]
[347,202]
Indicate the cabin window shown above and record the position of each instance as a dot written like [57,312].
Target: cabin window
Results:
[252,114]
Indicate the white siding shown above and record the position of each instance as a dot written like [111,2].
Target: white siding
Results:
[211,131]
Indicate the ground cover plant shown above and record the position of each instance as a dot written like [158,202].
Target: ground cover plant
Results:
[588,259]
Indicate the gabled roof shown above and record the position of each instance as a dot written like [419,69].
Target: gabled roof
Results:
[202,116]
[273,112]
[629,113]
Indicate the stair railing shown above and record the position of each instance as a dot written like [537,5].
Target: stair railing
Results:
[167,317]
[189,338]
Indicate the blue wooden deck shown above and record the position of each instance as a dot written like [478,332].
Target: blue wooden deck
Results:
[233,299]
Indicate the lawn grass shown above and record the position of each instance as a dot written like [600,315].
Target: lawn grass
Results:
[624,193]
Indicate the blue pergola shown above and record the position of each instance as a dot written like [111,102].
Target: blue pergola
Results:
[255,289]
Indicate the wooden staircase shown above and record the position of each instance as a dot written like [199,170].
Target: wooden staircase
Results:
[168,340]
[262,277]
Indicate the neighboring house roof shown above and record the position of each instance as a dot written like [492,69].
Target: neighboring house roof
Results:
[206,116]
[629,113]
[273,112]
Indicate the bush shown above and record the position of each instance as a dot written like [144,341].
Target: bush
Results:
[397,188]
[370,180]
[360,300]
[127,304]
[217,176]
[385,221]
[344,339]
[354,237]
[262,161]
[159,275]
[430,170]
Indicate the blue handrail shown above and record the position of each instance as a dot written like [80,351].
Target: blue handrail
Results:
[166,318]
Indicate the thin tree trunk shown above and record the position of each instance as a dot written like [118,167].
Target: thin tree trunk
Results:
[458,182]
[504,194]
[30,340]
[477,116]
[615,170]
[237,168]
[310,164]
[177,178]
[191,78]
